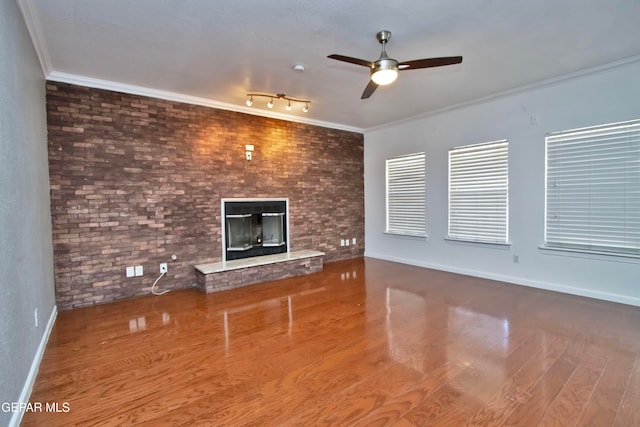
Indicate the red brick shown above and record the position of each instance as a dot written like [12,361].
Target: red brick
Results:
[161,179]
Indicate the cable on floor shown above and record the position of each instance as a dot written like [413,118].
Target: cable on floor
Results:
[153,287]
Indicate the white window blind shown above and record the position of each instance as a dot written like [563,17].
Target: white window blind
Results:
[593,189]
[479,192]
[406,195]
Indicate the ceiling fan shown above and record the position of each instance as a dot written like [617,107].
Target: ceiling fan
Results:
[384,70]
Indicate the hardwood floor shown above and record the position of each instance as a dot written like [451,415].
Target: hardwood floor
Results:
[364,343]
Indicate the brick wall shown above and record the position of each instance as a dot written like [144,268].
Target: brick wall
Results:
[135,180]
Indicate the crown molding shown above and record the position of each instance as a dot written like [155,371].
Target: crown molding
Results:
[188,99]
[35,31]
[600,69]
[34,27]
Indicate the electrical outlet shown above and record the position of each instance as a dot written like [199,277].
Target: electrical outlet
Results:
[130,271]
[346,242]
[341,242]
[163,267]
[139,270]
[353,241]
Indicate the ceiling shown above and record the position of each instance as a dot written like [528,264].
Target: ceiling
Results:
[214,52]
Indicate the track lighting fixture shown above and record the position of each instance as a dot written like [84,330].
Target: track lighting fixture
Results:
[271,96]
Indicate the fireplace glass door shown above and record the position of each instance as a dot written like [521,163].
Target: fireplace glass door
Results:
[273,229]
[239,232]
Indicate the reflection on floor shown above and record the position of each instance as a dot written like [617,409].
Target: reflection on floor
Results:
[365,342]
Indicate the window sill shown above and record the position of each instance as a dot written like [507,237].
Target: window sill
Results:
[584,253]
[409,236]
[497,245]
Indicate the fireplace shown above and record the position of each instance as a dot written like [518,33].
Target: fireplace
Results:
[254,227]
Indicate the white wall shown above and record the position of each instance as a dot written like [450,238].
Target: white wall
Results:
[26,250]
[523,118]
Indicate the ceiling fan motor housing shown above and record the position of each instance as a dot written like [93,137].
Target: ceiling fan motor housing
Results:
[384,64]
[385,70]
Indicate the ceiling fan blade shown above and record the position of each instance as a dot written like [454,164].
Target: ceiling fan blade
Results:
[429,62]
[351,60]
[368,91]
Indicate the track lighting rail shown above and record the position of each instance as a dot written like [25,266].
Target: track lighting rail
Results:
[273,96]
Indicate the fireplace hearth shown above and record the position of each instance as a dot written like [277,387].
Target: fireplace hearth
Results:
[254,227]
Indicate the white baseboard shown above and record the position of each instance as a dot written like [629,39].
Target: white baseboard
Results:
[35,365]
[623,299]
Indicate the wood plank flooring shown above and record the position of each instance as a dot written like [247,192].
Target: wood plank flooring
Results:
[364,343]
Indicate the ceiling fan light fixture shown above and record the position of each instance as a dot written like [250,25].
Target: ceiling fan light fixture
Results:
[384,72]
[384,77]
[250,101]
[288,107]
[306,107]
[270,103]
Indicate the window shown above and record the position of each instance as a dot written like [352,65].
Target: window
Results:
[593,189]
[406,195]
[479,193]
